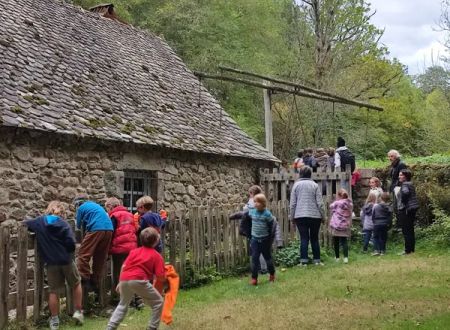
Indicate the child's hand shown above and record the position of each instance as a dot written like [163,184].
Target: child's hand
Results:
[118,288]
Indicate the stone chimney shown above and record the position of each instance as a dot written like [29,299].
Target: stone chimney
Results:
[106,10]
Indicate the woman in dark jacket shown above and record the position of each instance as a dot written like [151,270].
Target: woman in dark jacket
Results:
[407,208]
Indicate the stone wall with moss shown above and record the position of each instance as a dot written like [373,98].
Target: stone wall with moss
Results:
[37,167]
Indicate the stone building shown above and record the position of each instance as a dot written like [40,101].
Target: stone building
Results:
[89,104]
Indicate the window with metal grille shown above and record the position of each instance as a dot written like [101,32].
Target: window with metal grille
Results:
[138,184]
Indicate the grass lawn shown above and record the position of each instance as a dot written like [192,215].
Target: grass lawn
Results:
[389,292]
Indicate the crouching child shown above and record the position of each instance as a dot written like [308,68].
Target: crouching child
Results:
[56,245]
[141,266]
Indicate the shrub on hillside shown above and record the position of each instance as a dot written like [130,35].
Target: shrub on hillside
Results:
[439,231]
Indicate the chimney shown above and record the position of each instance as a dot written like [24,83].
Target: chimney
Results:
[106,10]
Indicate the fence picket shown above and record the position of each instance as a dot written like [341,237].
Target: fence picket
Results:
[182,243]
[21,276]
[39,284]
[4,274]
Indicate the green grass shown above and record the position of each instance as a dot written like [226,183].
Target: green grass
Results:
[389,292]
[381,163]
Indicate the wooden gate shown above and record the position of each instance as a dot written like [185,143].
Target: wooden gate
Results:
[277,185]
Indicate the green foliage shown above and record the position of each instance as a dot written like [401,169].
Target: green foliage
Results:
[288,256]
[195,278]
[438,232]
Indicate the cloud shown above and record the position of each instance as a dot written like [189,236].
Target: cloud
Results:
[410,30]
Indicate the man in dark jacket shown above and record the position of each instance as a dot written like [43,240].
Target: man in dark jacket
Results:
[56,245]
[396,166]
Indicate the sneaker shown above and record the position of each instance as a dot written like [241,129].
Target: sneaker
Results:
[319,263]
[375,254]
[254,281]
[302,265]
[337,259]
[54,323]
[78,317]
[345,260]
[382,253]
[272,278]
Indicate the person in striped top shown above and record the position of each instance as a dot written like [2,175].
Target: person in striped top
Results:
[262,226]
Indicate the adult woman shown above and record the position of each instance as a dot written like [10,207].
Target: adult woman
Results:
[407,206]
[307,211]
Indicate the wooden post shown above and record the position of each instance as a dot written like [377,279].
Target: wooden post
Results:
[268,121]
[4,274]
[22,256]
[38,283]
[182,239]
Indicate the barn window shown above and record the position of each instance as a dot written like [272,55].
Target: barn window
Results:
[138,184]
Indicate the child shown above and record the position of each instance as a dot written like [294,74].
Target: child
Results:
[124,238]
[366,219]
[382,220]
[56,245]
[262,226]
[375,187]
[341,222]
[148,218]
[138,270]
[298,162]
[245,226]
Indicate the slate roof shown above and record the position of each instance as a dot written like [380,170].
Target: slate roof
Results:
[69,71]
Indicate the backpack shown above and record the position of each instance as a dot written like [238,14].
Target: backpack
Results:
[347,158]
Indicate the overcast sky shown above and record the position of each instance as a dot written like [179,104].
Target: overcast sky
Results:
[410,30]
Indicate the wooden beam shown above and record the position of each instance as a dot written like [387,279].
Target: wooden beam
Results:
[291,89]
[268,121]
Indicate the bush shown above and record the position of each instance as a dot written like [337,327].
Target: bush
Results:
[288,256]
[195,278]
[438,232]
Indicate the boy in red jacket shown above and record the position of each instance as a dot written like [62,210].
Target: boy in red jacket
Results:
[140,267]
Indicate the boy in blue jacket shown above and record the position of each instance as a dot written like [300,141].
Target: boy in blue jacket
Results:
[148,218]
[98,232]
[56,245]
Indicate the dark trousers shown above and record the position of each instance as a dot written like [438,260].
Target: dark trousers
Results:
[380,237]
[117,262]
[407,220]
[343,242]
[95,245]
[261,246]
[309,231]
[367,235]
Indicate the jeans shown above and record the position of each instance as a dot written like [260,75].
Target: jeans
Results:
[407,220]
[367,235]
[342,241]
[309,231]
[380,237]
[261,246]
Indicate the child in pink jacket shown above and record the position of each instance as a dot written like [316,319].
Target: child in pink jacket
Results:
[341,223]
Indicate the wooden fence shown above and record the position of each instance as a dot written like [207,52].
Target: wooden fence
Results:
[201,237]
[277,185]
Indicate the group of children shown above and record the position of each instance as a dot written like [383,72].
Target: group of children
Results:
[376,219]
[139,271]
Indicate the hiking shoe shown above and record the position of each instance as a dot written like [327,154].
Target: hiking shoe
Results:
[345,260]
[254,281]
[272,278]
[54,323]
[78,317]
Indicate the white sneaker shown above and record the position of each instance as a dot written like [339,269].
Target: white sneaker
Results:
[345,260]
[78,317]
[337,259]
[54,323]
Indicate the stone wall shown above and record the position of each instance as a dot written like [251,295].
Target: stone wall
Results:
[36,168]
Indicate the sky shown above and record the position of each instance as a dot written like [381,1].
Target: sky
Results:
[410,31]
